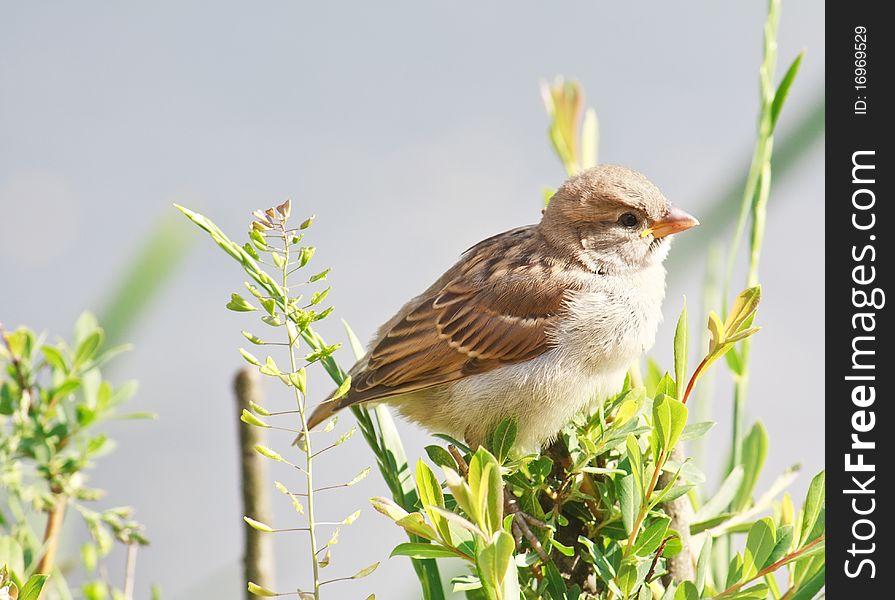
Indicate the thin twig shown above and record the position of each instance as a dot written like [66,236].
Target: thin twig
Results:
[461,462]
[770,569]
[55,518]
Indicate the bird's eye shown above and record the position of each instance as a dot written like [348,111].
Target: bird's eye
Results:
[628,220]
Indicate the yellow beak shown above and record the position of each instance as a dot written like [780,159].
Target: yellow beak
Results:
[675,221]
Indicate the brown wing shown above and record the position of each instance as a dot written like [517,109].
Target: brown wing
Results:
[494,307]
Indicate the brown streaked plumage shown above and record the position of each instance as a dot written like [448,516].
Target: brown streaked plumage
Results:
[454,358]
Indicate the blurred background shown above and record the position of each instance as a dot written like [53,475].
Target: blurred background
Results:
[412,130]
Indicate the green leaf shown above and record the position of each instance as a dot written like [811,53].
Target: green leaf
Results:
[88,347]
[759,544]
[680,353]
[55,358]
[389,508]
[304,255]
[415,524]
[502,439]
[716,333]
[783,88]
[32,588]
[704,563]
[722,498]
[239,304]
[649,541]
[627,578]
[629,501]
[695,431]
[365,571]
[589,139]
[421,550]
[258,525]
[669,420]
[299,380]
[755,450]
[265,451]
[342,390]
[270,306]
[256,589]
[319,276]
[359,477]
[601,563]
[430,495]
[11,555]
[493,561]
[251,358]
[809,589]
[635,457]
[784,542]
[247,417]
[252,337]
[440,456]
[686,591]
[744,306]
[318,297]
[665,386]
[814,503]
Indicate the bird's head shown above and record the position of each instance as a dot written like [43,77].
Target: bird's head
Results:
[613,218]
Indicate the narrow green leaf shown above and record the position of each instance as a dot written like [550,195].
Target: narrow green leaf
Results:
[722,498]
[421,550]
[32,588]
[247,417]
[258,525]
[629,501]
[365,571]
[755,449]
[258,590]
[430,494]
[635,457]
[703,564]
[783,89]
[814,503]
[695,431]
[680,353]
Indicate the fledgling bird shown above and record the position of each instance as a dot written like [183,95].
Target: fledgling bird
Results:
[536,323]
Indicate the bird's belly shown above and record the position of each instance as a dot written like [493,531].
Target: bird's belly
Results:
[542,395]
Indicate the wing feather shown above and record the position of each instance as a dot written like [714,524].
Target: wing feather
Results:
[496,306]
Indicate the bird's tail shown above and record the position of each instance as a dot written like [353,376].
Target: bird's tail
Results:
[324,411]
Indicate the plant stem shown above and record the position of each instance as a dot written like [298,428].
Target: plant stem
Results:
[51,534]
[754,203]
[306,432]
[130,569]
[644,508]
[771,568]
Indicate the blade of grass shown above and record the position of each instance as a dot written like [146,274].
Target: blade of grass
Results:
[144,277]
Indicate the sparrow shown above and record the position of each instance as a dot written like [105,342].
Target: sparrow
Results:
[538,323]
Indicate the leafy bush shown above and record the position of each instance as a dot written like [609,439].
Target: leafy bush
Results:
[53,398]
